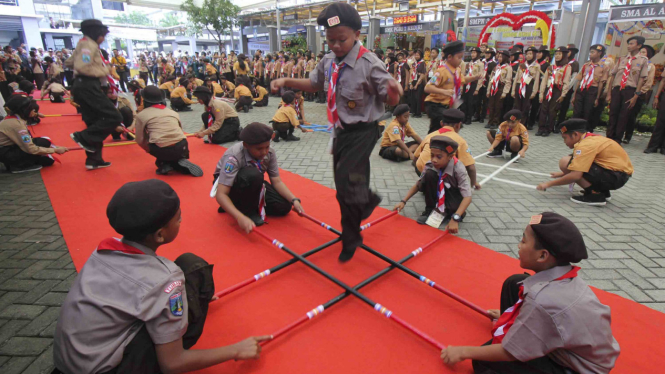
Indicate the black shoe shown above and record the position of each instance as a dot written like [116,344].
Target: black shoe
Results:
[487,126]
[190,168]
[513,155]
[292,138]
[24,169]
[77,138]
[606,193]
[468,122]
[245,109]
[96,166]
[590,198]
[651,150]
[276,139]
[539,133]
[546,133]
[256,218]
[346,254]
[220,210]
[497,153]
[626,141]
[374,201]
[417,116]
[556,131]
[164,169]
[482,120]
[423,217]
[476,119]
[529,127]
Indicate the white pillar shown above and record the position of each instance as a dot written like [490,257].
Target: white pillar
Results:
[589,29]
[466,19]
[279,29]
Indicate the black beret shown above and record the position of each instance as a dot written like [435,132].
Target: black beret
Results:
[452,116]
[519,45]
[476,49]
[288,97]
[572,48]
[650,51]
[639,39]
[453,48]
[559,236]
[141,208]
[544,49]
[152,95]
[183,81]
[443,143]
[134,83]
[561,49]
[573,124]
[26,86]
[256,133]
[532,49]
[512,115]
[91,23]
[598,47]
[400,109]
[339,14]
[515,51]
[505,53]
[491,50]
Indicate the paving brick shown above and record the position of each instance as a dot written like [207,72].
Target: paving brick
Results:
[20,311]
[16,365]
[43,364]
[25,346]
[52,299]
[40,323]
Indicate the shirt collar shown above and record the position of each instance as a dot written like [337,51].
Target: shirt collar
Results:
[139,246]
[450,168]
[352,56]
[546,276]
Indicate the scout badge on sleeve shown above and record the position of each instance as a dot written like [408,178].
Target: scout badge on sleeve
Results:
[175,303]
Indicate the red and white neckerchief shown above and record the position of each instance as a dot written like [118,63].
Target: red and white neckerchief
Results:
[114,244]
[457,86]
[414,70]
[262,197]
[496,79]
[297,109]
[113,87]
[441,194]
[555,70]
[507,319]
[587,81]
[626,71]
[334,72]
[525,75]
[399,72]
[159,106]
[571,62]
[469,72]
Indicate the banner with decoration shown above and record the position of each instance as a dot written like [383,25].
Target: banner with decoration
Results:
[516,22]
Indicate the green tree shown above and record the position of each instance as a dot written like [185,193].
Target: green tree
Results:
[170,20]
[216,16]
[133,18]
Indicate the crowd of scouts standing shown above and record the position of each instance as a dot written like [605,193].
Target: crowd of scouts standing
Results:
[517,89]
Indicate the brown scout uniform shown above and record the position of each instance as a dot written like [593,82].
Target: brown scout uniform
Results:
[502,76]
[619,112]
[558,78]
[529,80]
[588,93]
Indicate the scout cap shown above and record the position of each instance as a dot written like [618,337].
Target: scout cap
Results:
[452,116]
[650,53]
[139,209]
[453,48]
[339,14]
[532,49]
[183,81]
[443,143]
[505,53]
[152,95]
[512,115]
[26,86]
[476,49]
[598,47]
[516,52]
[202,90]
[559,236]
[571,47]
[400,109]
[519,45]
[639,39]
[134,83]
[256,133]
[574,124]
[544,49]
[491,50]
[562,49]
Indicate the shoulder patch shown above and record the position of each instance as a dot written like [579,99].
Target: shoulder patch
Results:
[172,286]
[230,165]
[395,130]
[175,304]
[26,138]
[578,152]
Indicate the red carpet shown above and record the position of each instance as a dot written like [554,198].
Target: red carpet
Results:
[349,337]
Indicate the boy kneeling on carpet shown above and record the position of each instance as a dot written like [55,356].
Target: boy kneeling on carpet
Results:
[132,311]
[239,186]
[19,151]
[159,132]
[55,91]
[393,146]
[445,184]
[550,322]
[220,120]
[511,139]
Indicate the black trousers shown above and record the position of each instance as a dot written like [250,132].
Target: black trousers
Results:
[496,107]
[435,114]
[57,97]
[523,103]
[534,114]
[619,112]
[263,102]
[171,154]
[414,99]
[658,136]
[584,106]
[127,120]
[140,356]
[563,107]
[14,157]
[429,186]
[123,80]
[482,102]
[548,109]
[634,113]
[468,103]
[351,150]
[246,193]
[99,114]
[229,131]
[508,104]
[283,129]
[543,365]
[243,101]
[39,80]
[178,104]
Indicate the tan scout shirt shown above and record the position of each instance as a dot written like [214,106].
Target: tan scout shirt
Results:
[395,132]
[458,177]
[112,298]
[87,60]
[287,114]
[362,89]
[505,76]
[600,73]
[529,75]
[559,77]
[53,87]
[443,79]
[221,110]
[181,92]
[237,157]
[13,131]
[158,126]
[648,83]
[262,92]
[424,154]
[565,321]
[638,69]
[505,131]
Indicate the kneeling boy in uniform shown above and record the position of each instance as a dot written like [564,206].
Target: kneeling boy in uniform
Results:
[55,91]
[159,132]
[549,322]
[451,124]
[132,311]
[286,120]
[598,164]
[445,184]
[179,100]
[220,120]
[240,188]
[124,107]
[511,138]
[19,151]
[392,144]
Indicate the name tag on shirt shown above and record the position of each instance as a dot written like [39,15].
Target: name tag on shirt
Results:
[435,218]
[528,79]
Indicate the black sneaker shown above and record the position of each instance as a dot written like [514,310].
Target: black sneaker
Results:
[423,218]
[25,169]
[651,150]
[346,254]
[256,218]
[487,126]
[539,133]
[626,141]
[513,155]
[590,198]
[191,168]
[292,138]
[608,195]
[97,165]
[164,169]
[497,153]
[77,138]
[276,139]
[246,109]
[545,133]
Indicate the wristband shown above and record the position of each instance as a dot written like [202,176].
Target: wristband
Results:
[402,201]
[294,200]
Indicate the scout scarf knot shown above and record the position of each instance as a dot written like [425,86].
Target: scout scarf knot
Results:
[626,72]
[588,78]
[496,79]
[525,76]
[262,198]
[335,72]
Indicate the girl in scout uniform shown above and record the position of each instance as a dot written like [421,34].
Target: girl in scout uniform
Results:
[498,87]
[489,62]
[474,68]
[645,92]
[243,94]
[526,84]
[417,83]
[400,70]
[556,84]
[543,59]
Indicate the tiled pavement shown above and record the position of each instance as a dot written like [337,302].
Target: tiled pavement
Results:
[625,238]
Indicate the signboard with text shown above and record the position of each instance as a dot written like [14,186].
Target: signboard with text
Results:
[404,20]
[290,17]
[555,15]
[637,12]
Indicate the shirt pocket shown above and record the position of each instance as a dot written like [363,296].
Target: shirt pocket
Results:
[351,100]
